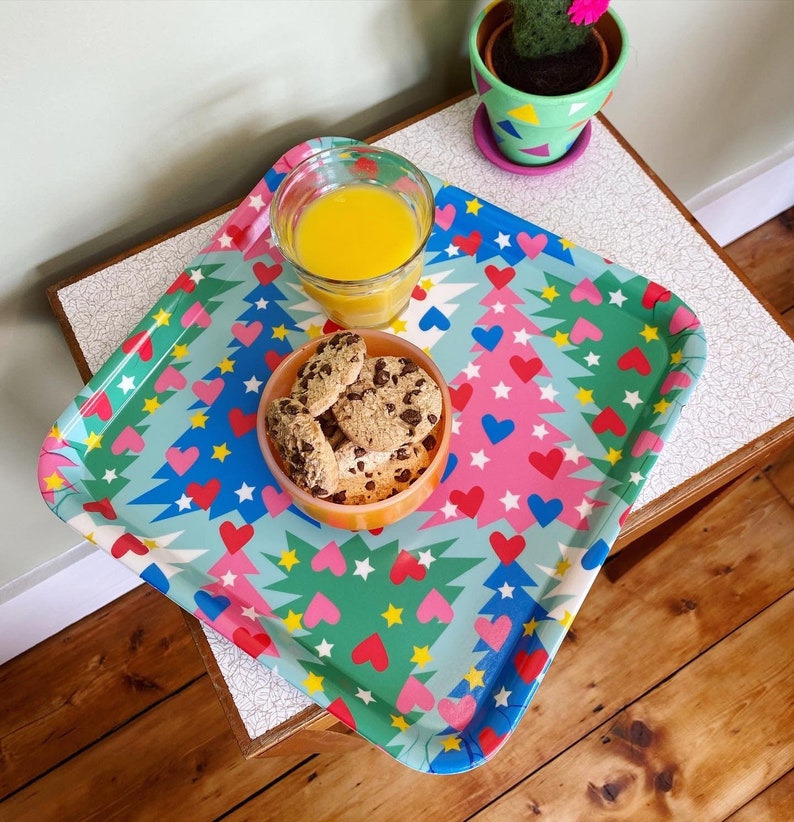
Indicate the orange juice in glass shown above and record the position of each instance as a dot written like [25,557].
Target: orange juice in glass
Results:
[353,221]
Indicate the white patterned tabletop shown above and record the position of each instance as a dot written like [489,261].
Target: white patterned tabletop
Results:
[604,202]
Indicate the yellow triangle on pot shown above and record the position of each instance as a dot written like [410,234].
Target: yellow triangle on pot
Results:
[525,113]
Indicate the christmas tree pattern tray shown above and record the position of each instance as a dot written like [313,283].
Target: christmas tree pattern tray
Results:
[430,637]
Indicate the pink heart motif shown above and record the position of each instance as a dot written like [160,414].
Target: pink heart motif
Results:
[275,501]
[493,633]
[181,461]
[445,216]
[434,605]
[246,334]
[682,319]
[208,392]
[196,314]
[585,330]
[414,694]
[320,609]
[675,379]
[330,557]
[127,440]
[531,246]
[170,378]
[586,290]
[647,441]
[457,714]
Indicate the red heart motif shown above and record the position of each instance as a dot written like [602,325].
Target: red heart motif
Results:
[101,506]
[371,650]
[490,741]
[266,273]
[468,244]
[98,404]
[419,293]
[525,369]
[339,709]
[507,549]
[241,423]
[329,326]
[127,542]
[365,166]
[548,464]
[468,502]
[233,537]
[634,358]
[460,396]
[140,343]
[406,565]
[624,516]
[204,495]
[252,644]
[239,236]
[529,666]
[182,283]
[499,277]
[609,420]
[273,359]
[654,293]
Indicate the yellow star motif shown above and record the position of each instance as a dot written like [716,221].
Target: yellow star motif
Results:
[566,244]
[288,559]
[567,620]
[151,544]
[179,350]
[427,284]
[562,566]
[529,627]
[220,452]
[293,621]
[584,396]
[451,743]
[421,655]
[473,206]
[198,420]
[54,482]
[151,404]
[676,357]
[161,317]
[393,616]
[561,339]
[280,332]
[93,441]
[54,432]
[661,406]
[313,683]
[313,331]
[90,538]
[399,722]
[613,456]
[226,365]
[397,325]
[550,293]
[474,678]
[650,333]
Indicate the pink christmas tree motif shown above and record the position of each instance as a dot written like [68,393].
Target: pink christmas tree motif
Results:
[509,460]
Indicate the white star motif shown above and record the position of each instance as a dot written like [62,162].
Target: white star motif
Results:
[261,303]
[196,275]
[228,579]
[363,568]
[501,697]
[225,241]
[509,501]
[501,391]
[365,696]
[479,459]
[521,337]
[572,454]
[547,392]
[452,250]
[636,477]
[456,426]
[539,431]
[126,384]
[506,591]
[449,510]
[252,385]
[426,558]
[184,502]
[110,475]
[502,240]
[324,648]
[250,613]
[584,508]
[256,202]
[617,298]
[498,308]
[471,371]
[592,359]
[633,398]
[245,492]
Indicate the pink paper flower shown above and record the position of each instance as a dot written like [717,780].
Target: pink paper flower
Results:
[585,12]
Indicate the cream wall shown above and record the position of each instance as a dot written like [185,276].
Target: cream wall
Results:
[121,119]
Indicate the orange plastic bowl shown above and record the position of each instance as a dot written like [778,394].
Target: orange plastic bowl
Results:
[375,514]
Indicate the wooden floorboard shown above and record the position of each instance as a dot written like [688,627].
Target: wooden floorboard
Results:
[115,718]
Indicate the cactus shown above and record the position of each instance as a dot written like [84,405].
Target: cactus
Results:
[543,28]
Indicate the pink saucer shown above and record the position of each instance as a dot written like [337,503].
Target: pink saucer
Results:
[483,136]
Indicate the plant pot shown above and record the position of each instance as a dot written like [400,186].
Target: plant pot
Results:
[532,130]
